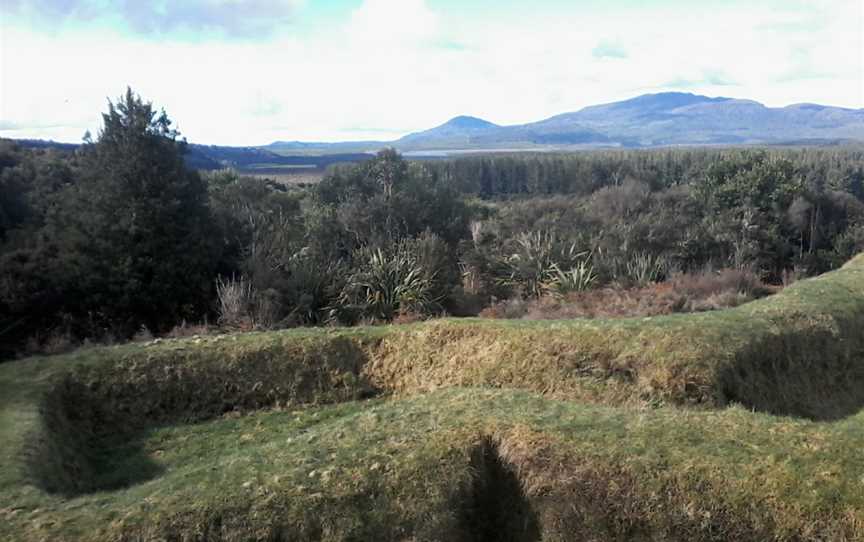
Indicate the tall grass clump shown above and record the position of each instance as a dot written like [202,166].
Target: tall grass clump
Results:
[388,282]
[579,278]
[534,261]
[235,297]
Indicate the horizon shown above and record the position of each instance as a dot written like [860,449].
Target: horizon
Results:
[376,70]
[472,117]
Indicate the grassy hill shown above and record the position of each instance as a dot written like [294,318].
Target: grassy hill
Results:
[741,424]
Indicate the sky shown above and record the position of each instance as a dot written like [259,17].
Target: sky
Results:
[249,72]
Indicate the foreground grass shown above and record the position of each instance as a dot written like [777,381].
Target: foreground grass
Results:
[397,469]
[454,430]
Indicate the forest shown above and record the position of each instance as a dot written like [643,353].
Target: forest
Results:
[118,239]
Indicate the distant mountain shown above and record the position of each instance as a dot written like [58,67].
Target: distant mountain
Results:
[218,157]
[252,158]
[669,118]
[299,148]
[674,118]
[650,120]
[457,131]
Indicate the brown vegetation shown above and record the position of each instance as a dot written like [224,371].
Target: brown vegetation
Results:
[684,292]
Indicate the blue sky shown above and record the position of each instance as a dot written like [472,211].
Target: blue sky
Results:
[247,72]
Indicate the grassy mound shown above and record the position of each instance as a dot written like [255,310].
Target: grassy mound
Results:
[162,440]
[452,464]
[799,353]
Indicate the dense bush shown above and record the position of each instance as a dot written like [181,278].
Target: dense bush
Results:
[117,235]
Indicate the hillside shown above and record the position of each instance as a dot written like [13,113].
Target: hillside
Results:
[682,119]
[248,160]
[650,120]
[671,119]
[260,161]
[741,424]
[458,131]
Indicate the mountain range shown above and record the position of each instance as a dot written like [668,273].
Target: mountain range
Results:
[650,120]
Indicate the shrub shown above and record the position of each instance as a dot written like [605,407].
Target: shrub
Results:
[532,258]
[577,279]
[387,282]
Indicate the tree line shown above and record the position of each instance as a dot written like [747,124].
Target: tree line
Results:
[119,236]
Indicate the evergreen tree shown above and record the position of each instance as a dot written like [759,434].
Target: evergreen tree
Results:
[136,232]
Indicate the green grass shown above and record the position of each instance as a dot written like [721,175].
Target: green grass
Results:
[454,430]
[401,468]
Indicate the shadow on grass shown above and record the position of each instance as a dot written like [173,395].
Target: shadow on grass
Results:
[497,508]
[123,463]
[93,420]
[65,460]
[814,376]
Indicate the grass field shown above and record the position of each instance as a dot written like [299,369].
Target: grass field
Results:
[287,175]
[742,424]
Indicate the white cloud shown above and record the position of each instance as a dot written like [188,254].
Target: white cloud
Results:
[398,65]
[233,18]
[382,24]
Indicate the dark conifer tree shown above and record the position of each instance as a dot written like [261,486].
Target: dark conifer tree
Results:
[137,233]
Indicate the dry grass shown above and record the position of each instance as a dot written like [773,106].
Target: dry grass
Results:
[683,293]
[186,330]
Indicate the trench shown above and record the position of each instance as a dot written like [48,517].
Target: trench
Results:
[496,507]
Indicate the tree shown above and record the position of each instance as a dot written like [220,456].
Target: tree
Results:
[388,168]
[136,231]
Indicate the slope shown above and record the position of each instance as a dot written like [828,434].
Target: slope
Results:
[342,434]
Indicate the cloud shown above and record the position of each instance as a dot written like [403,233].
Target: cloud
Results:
[606,49]
[373,69]
[713,78]
[392,22]
[230,18]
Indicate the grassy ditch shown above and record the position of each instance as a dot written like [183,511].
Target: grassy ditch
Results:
[92,406]
[453,464]
[160,440]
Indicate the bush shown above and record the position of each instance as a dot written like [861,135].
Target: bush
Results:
[577,279]
[533,260]
[387,282]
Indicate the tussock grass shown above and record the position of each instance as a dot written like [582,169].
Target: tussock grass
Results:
[264,436]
